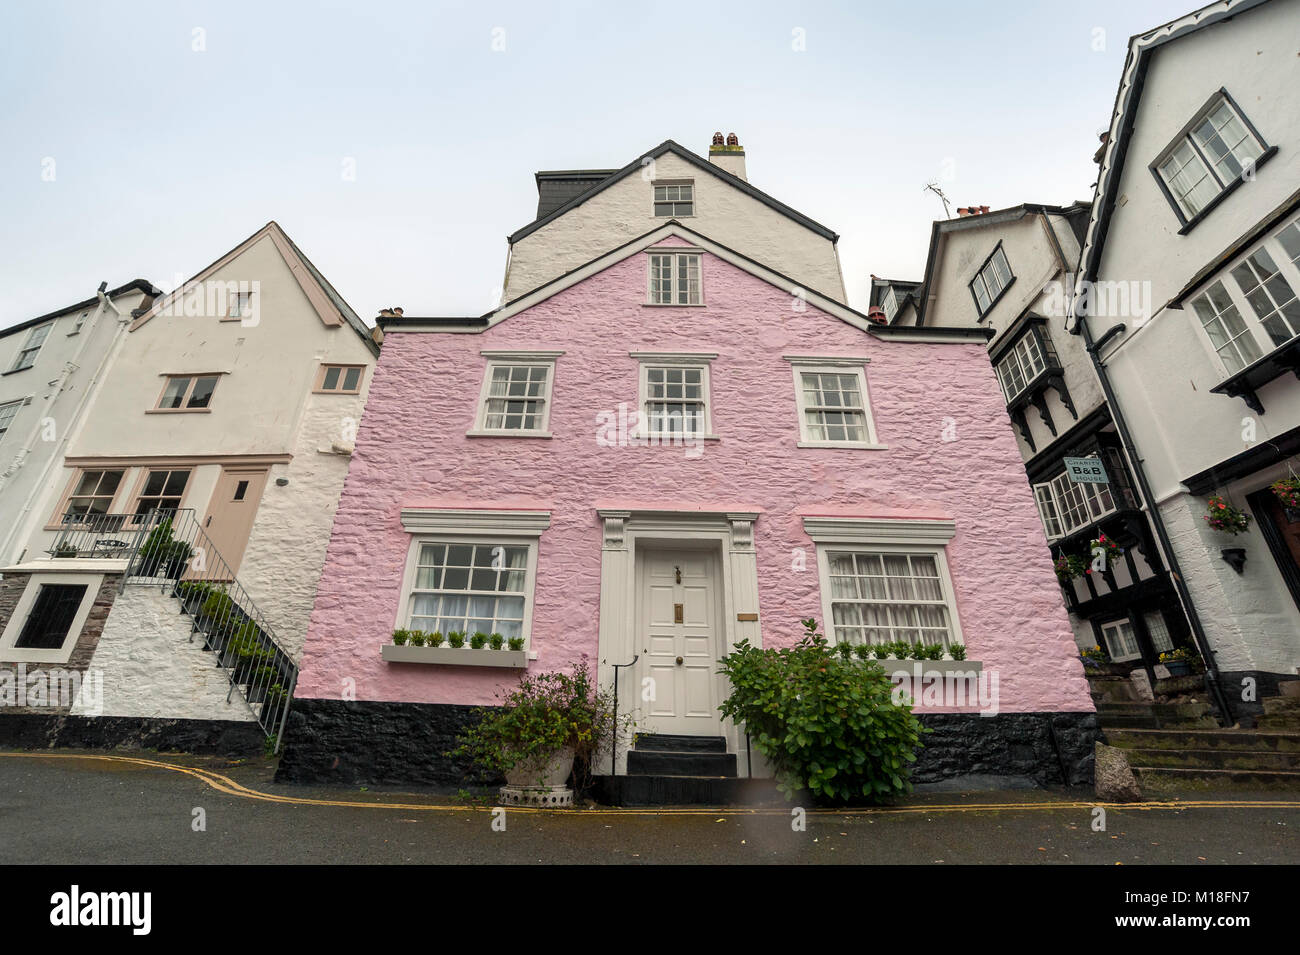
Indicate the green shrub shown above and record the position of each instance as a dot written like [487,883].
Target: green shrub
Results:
[933,651]
[216,606]
[417,638]
[542,715]
[957,651]
[845,650]
[824,724]
[916,651]
[881,650]
[456,639]
[496,641]
[477,641]
[516,643]
[401,637]
[862,651]
[435,638]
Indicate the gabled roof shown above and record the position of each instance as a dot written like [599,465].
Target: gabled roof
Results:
[672,227]
[327,302]
[967,223]
[135,285]
[701,163]
[1140,48]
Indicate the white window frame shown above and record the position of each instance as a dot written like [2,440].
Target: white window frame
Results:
[1262,343]
[1059,491]
[799,365]
[1021,355]
[515,359]
[678,183]
[669,360]
[675,252]
[982,282]
[9,414]
[889,303]
[1136,654]
[43,330]
[18,619]
[884,536]
[484,528]
[1216,178]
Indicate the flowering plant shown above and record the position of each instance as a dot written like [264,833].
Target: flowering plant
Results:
[1287,491]
[1222,516]
[1109,548]
[1094,657]
[1179,655]
[1069,566]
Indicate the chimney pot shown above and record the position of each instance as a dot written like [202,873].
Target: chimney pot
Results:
[733,139]
[397,311]
[717,139]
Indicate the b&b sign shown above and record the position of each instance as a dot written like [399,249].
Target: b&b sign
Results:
[1086,471]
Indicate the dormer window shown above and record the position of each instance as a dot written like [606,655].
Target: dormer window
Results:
[1023,364]
[1207,158]
[676,199]
[889,304]
[993,278]
[675,278]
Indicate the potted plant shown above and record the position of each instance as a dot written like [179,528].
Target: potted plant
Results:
[1106,548]
[435,638]
[496,641]
[401,637]
[863,651]
[65,549]
[478,641]
[957,651]
[1222,516]
[1178,661]
[538,730]
[1069,566]
[456,639]
[1094,658]
[1287,491]
[845,650]
[161,555]
[516,643]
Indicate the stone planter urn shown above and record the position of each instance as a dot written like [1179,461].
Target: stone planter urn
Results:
[541,781]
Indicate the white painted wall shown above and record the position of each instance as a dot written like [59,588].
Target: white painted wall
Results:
[150,668]
[723,213]
[1163,368]
[55,389]
[263,405]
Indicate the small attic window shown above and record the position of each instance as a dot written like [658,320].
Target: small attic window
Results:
[673,200]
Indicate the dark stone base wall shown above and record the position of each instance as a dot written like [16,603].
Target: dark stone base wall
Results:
[1243,711]
[1047,748]
[373,743]
[206,737]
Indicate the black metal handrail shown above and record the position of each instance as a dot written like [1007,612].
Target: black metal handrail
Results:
[170,548]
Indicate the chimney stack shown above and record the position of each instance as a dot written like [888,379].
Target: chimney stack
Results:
[728,155]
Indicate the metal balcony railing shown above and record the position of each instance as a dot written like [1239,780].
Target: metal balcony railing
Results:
[170,548]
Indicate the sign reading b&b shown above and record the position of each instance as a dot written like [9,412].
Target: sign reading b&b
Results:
[1086,471]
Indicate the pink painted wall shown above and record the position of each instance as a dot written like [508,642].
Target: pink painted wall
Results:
[412,451]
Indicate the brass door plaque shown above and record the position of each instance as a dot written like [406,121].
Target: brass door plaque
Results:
[679,613]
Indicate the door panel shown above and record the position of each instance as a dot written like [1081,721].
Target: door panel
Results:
[679,641]
[230,517]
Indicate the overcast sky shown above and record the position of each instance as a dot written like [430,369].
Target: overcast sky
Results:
[142,139]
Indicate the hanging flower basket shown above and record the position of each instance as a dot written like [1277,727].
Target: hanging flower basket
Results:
[1287,491]
[1222,516]
[1069,566]
[1108,547]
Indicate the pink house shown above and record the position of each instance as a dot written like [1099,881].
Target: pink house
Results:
[650,458]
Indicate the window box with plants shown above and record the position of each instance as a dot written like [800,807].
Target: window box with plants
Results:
[479,650]
[902,656]
[1179,661]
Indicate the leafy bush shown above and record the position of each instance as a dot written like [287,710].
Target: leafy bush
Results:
[516,643]
[916,651]
[417,638]
[825,724]
[542,715]
[496,641]
[845,650]
[881,650]
[477,641]
[862,651]
[957,651]
[435,638]
[401,637]
[456,639]
[933,651]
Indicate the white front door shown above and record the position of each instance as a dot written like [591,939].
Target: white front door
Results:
[678,642]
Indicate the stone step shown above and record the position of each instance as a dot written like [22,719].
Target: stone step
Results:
[655,763]
[670,743]
[1281,705]
[1156,715]
[1233,759]
[1198,739]
[1166,779]
[685,791]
